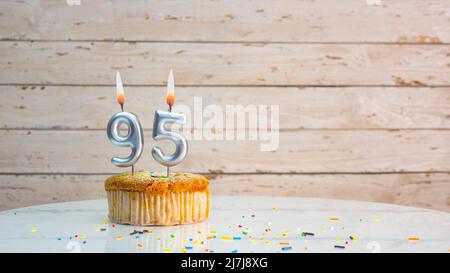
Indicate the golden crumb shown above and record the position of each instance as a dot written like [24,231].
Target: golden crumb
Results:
[145,181]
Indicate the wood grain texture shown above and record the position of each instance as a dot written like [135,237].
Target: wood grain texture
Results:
[420,190]
[225,20]
[77,107]
[84,63]
[363,92]
[326,151]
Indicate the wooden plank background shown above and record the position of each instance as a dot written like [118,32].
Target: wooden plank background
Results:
[363,90]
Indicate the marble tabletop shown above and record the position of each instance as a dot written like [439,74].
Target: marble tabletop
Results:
[238,224]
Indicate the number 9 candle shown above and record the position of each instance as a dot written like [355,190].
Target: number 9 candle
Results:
[134,138]
[159,132]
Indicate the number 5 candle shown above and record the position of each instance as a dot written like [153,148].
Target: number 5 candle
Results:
[134,138]
[159,132]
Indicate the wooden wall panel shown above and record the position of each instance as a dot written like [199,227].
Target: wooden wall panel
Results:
[363,93]
[87,107]
[423,190]
[405,21]
[330,151]
[95,63]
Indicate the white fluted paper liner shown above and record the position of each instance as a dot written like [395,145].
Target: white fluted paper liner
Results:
[160,239]
[145,209]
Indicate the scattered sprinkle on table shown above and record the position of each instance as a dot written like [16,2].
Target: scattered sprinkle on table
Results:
[338,246]
[33,229]
[234,251]
[413,238]
[188,247]
[228,238]
[334,219]
[119,237]
[286,248]
[167,249]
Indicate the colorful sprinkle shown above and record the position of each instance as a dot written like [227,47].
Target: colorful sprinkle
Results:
[234,251]
[33,229]
[188,247]
[119,237]
[229,238]
[333,219]
[338,246]
[167,249]
[286,248]
[237,238]
[413,238]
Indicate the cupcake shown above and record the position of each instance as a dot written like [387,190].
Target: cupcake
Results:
[147,198]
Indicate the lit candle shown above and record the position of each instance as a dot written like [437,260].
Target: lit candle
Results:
[134,138]
[159,132]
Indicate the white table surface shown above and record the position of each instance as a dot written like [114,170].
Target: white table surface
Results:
[271,224]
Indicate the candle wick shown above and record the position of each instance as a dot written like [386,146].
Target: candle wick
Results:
[121,107]
[168,168]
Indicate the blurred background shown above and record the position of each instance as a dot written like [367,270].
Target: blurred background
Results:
[363,88]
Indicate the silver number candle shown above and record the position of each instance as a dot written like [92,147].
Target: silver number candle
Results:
[159,132]
[134,139]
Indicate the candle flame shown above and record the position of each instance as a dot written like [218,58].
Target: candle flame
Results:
[119,89]
[170,99]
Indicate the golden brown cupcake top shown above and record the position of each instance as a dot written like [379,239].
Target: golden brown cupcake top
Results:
[145,181]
